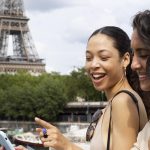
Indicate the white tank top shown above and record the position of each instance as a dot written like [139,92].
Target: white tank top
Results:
[97,139]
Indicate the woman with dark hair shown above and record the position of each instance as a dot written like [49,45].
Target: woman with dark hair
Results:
[140,43]
[108,58]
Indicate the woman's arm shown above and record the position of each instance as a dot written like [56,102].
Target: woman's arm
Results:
[149,143]
[125,122]
[55,138]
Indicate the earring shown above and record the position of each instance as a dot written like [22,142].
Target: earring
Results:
[125,71]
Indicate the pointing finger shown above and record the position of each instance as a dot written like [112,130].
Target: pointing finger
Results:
[43,123]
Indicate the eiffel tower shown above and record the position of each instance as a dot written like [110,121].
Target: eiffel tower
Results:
[14,26]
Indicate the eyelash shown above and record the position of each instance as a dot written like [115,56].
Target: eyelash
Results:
[143,56]
[103,59]
[88,59]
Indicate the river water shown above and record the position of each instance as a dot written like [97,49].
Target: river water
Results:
[76,133]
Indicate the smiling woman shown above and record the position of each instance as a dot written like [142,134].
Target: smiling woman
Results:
[108,65]
[140,43]
[108,59]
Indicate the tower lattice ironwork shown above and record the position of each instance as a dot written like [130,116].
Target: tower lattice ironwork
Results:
[14,23]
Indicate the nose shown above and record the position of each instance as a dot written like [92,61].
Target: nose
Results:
[95,63]
[135,65]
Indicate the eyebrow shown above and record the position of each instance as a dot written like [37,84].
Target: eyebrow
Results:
[99,51]
[141,49]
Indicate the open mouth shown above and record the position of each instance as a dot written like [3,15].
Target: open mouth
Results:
[97,76]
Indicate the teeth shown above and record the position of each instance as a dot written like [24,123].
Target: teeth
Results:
[98,76]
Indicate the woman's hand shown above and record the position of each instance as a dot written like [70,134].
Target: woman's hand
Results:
[20,147]
[2,148]
[55,138]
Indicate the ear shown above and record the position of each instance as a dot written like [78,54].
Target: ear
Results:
[126,60]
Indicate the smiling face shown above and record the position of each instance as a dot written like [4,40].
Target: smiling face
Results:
[141,54]
[103,62]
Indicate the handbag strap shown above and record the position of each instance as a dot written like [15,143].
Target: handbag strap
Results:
[136,103]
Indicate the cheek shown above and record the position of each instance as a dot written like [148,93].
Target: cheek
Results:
[132,67]
[143,63]
[148,67]
[116,72]
[87,66]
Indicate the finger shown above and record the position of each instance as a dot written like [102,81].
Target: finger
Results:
[45,139]
[49,144]
[39,132]
[49,138]
[42,132]
[39,129]
[2,148]
[43,123]
[20,147]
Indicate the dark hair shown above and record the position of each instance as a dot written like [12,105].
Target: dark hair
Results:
[122,43]
[121,39]
[141,22]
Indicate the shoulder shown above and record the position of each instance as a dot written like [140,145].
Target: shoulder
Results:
[125,100]
[147,127]
[125,119]
[124,110]
[144,134]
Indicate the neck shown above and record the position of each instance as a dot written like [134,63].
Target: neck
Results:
[120,85]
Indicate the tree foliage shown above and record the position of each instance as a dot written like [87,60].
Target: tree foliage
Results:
[22,96]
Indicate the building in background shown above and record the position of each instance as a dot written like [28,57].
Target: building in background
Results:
[15,34]
[80,111]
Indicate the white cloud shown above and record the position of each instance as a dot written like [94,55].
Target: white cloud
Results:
[60,28]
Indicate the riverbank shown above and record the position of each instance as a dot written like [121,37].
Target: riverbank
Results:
[69,129]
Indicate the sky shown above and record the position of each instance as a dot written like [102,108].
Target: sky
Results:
[60,28]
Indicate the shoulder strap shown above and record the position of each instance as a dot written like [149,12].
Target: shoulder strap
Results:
[134,99]
[109,130]
[136,103]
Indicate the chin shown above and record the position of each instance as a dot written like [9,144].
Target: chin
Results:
[145,87]
[98,88]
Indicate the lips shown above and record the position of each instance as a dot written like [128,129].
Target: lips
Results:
[142,76]
[97,76]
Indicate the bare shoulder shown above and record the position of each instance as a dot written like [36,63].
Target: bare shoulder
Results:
[124,109]
[125,100]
